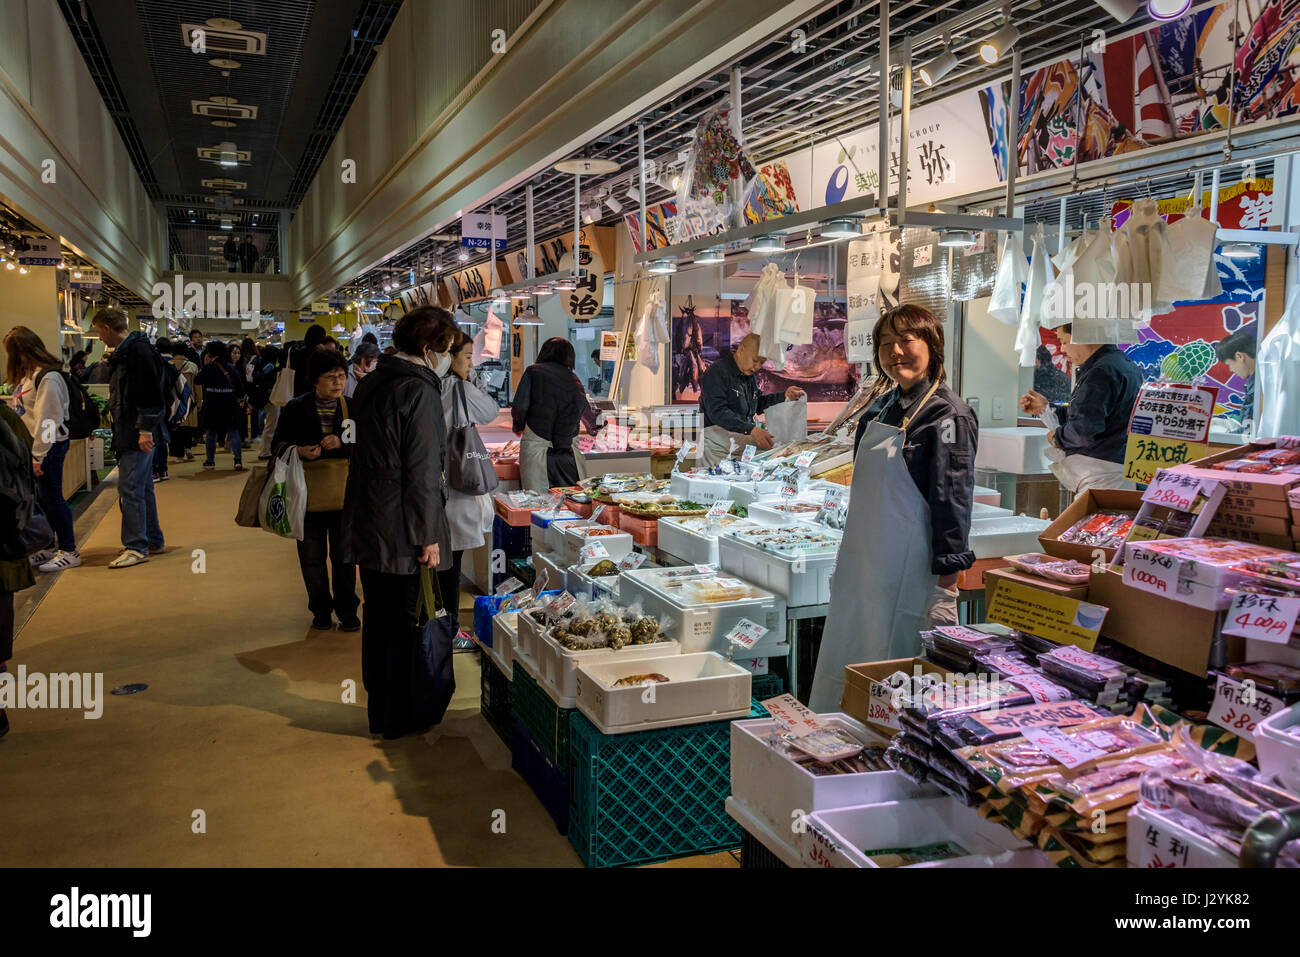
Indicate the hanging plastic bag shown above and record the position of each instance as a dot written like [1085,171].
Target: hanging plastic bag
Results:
[788,421]
[284,499]
[1277,375]
[794,314]
[1013,273]
[1031,312]
[652,330]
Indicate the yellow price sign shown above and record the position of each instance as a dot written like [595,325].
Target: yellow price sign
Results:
[1147,453]
[1066,621]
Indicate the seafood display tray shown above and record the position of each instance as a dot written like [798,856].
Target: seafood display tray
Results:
[701,687]
[805,580]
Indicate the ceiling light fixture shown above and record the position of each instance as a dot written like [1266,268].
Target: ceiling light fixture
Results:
[934,71]
[543,290]
[771,243]
[566,284]
[10,265]
[953,238]
[841,229]
[76,273]
[499,298]
[662,267]
[614,205]
[999,43]
[527,318]
[463,255]
[1121,10]
[711,255]
[520,294]
[1167,9]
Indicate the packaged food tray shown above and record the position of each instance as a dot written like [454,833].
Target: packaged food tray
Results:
[698,687]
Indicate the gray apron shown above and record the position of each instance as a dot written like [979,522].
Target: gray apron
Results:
[884,563]
[715,444]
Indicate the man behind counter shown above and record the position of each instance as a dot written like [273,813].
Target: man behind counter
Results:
[1237,352]
[729,400]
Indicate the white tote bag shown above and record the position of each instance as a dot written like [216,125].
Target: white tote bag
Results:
[282,391]
[788,421]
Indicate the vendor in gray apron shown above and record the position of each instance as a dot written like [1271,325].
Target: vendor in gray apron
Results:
[906,533]
[729,400]
[1089,436]
[547,409]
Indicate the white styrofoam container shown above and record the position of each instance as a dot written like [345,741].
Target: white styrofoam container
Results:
[554,529]
[619,545]
[1259,650]
[703,627]
[504,629]
[988,496]
[556,667]
[1155,840]
[1278,751]
[780,792]
[707,489]
[528,632]
[582,585]
[766,511]
[1010,535]
[763,832]
[1018,450]
[549,564]
[838,837]
[696,548]
[979,511]
[800,581]
[700,687]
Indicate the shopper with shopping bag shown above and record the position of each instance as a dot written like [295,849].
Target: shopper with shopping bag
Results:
[729,400]
[548,408]
[317,424]
[394,511]
[284,497]
[906,533]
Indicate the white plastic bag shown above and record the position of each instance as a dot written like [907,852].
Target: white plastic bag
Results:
[283,506]
[1013,271]
[788,421]
[1277,375]
[794,314]
[652,330]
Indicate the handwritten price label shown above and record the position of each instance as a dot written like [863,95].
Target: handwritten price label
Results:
[1177,491]
[632,560]
[508,586]
[748,453]
[1060,747]
[1151,571]
[792,715]
[598,511]
[805,459]
[593,552]
[746,634]
[1266,617]
[1239,707]
[719,508]
[687,449]
[562,603]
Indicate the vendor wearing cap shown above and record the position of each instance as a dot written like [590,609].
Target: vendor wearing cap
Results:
[729,401]
[1090,434]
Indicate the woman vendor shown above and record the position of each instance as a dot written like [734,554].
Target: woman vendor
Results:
[905,536]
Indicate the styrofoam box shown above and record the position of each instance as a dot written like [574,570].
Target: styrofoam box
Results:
[690,546]
[554,536]
[704,627]
[1158,841]
[550,565]
[988,496]
[528,632]
[761,830]
[1011,535]
[1278,751]
[763,511]
[780,791]
[1019,450]
[800,581]
[504,629]
[619,545]
[700,687]
[838,837]
[979,511]
[557,666]
[707,489]
[582,585]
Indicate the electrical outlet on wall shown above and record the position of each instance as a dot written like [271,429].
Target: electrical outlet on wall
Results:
[999,407]
[974,403]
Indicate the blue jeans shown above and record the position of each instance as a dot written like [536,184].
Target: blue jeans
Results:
[140,529]
[232,435]
[49,486]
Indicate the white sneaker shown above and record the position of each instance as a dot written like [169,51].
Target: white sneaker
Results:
[60,561]
[128,558]
[40,558]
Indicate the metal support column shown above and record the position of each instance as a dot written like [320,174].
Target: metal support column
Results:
[1013,141]
[883,167]
[640,159]
[528,227]
[904,120]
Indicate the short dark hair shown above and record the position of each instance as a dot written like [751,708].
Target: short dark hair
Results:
[217,349]
[164,344]
[370,337]
[1066,327]
[365,351]
[323,361]
[557,349]
[314,335]
[1240,341]
[424,329]
[194,332]
[180,347]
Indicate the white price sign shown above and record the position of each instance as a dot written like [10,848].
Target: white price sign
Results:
[687,449]
[746,634]
[1150,571]
[748,453]
[1266,617]
[719,508]
[791,715]
[508,586]
[1177,491]
[1070,751]
[632,560]
[562,603]
[805,459]
[596,513]
[593,552]
[1239,706]
[923,255]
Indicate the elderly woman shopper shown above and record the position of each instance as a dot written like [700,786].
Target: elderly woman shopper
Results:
[548,407]
[906,533]
[314,422]
[395,512]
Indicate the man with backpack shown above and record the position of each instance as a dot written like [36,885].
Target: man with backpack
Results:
[135,396]
[183,420]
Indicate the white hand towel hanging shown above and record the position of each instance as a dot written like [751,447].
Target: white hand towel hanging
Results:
[1031,312]
[761,306]
[1013,273]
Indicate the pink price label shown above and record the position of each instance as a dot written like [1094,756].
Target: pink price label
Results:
[1060,747]
[792,715]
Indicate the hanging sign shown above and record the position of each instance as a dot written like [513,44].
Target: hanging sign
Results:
[584,302]
[1170,425]
[40,251]
[90,279]
[476,231]
[320,307]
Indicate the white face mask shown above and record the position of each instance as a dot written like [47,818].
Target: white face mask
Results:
[441,363]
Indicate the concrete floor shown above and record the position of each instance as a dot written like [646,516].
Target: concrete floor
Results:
[243,720]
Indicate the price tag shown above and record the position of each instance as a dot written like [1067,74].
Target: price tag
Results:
[632,560]
[1038,686]
[539,582]
[1150,571]
[596,513]
[594,551]
[791,715]
[1266,617]
[729,583]
[805,459]
[687,449]
[1070,751]
[561,603]
[746,634]
[508,586]
[748,453]
[719,508]
[1239,706]
[705,569]
[1177,491]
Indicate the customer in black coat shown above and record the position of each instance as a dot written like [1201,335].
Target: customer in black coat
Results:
[394,517]
[316,422]
[224,402]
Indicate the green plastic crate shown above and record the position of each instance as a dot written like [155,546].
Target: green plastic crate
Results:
[494,696]
[651,795]
[766,686]
[546,722]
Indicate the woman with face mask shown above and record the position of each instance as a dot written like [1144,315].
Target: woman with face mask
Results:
[548,408]
[395,508]
[906,533]
[364,358]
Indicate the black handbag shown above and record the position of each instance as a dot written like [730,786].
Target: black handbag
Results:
[433,679]
[469,466]
[37,535]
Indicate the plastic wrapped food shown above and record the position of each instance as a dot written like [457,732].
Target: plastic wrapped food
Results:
[602,569]
[1277,456]
[1083,669]
[1112,784]
[1004,664]
[1102,530]
[906,765]
[1249,466]
[1056,569]
[961,638]
[907,856]
[714,590]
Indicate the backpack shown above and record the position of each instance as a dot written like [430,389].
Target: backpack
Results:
[178,394]
[83,414]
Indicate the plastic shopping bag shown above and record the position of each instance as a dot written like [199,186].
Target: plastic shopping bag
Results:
[788,421]
[284,500]
[1013,272]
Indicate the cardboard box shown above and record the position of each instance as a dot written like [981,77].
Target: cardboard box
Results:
[1227,522]
[1284,541]
[1273,508]
[857,700]
[1171,631]
[1265,487]
[993,576]
[1090,502]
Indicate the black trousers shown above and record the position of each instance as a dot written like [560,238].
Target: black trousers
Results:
[319,554]
[389,630]
[6,626]
[449,585]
